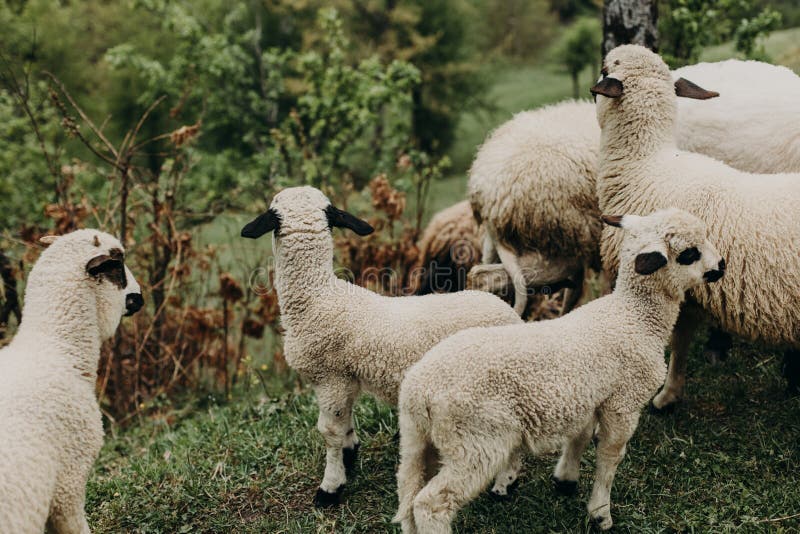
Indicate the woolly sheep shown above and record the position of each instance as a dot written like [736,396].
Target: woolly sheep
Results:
[50,422]
[344,338]
[754,218]
[532,183]
[481,395]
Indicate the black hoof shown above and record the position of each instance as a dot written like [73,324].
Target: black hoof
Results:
[349,456]
[510,489]
[595,522]
[396,437]
[791,371]
[323,499]
[666,410]
[714,356]
[564,487]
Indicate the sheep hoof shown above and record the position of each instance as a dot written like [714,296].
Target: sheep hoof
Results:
[664,410]
[349,456]
[715,356]
[495,495]
[600,522]
[564,487]
[324,499]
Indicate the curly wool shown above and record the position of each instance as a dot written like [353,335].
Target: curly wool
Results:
[483,393]
[533,182]
[754,218]
[50,422]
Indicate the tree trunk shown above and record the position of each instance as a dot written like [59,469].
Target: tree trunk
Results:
[630,22]
[575,84]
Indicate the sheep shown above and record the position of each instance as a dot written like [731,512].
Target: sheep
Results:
[449,247]
[532,184]
[343,338]
[755,218]
[479,396]
[50,423]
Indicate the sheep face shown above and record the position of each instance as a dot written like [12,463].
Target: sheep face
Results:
[671,247]
[100,265]
[302,210]
[634,71]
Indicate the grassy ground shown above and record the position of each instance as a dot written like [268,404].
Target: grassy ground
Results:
[727,459]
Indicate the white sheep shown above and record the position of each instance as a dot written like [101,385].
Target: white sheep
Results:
[532,183]
[754,218]
[50,423]
[344,338]
[477,398]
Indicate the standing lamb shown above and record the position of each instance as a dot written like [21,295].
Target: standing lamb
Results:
[754,218]
[50,423]
[533,182]
[343,338]
[483,394]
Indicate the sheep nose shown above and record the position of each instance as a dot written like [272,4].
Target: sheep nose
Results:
[716,274]
[133,303]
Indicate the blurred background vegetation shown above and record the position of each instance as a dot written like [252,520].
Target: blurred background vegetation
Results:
[170,122]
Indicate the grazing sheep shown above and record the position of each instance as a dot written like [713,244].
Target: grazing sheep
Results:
[344,338]
[50,423]
[754,218]
[532,183]
[480,396]
[448,248]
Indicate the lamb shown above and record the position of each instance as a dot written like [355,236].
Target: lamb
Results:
[478,397]
[343,338]
[754,218]
[532,184]
[50,423]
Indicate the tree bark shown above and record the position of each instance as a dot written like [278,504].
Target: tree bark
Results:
[630,22]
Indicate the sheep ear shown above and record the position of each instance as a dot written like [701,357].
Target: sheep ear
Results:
[613,220]
[649,262]
[48,239]
[610,87]
[269,221]
[687,89]
[342,219]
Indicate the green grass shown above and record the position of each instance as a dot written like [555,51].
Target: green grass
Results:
[726,460]
[782,47]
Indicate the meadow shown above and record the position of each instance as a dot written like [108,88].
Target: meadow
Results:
[725,460]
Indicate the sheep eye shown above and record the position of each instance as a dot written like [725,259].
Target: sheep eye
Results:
[689,256]
[604,72]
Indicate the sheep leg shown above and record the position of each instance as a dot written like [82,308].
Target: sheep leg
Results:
[791,371]
[415,469]
[615,431]
[568,469]
[488,250]
[67,516]
[335,399]
[719,342]
[508,476]
[573,295]
[463,475]
[511,263]
[682,336]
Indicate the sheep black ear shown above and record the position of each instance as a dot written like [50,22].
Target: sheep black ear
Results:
[110,267]
[687,89]
[610,87]
[269,221]
[342,219]
[613,220]
[649,262]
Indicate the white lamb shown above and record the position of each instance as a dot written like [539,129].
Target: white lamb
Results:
[344,338]
[483,394]
[50,423]
[754,218]
[533,182]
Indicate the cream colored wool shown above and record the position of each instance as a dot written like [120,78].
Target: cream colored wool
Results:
[346,339]
[50,423]
[450,243]
[754,218]
[533,181]
[480,396]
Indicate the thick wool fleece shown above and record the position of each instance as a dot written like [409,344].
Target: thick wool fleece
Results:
[533,182]
[345,338]
[483,393]
[450,245]
[50,422]
[754,218]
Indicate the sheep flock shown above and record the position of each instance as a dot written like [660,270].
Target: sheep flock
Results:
[679,189]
